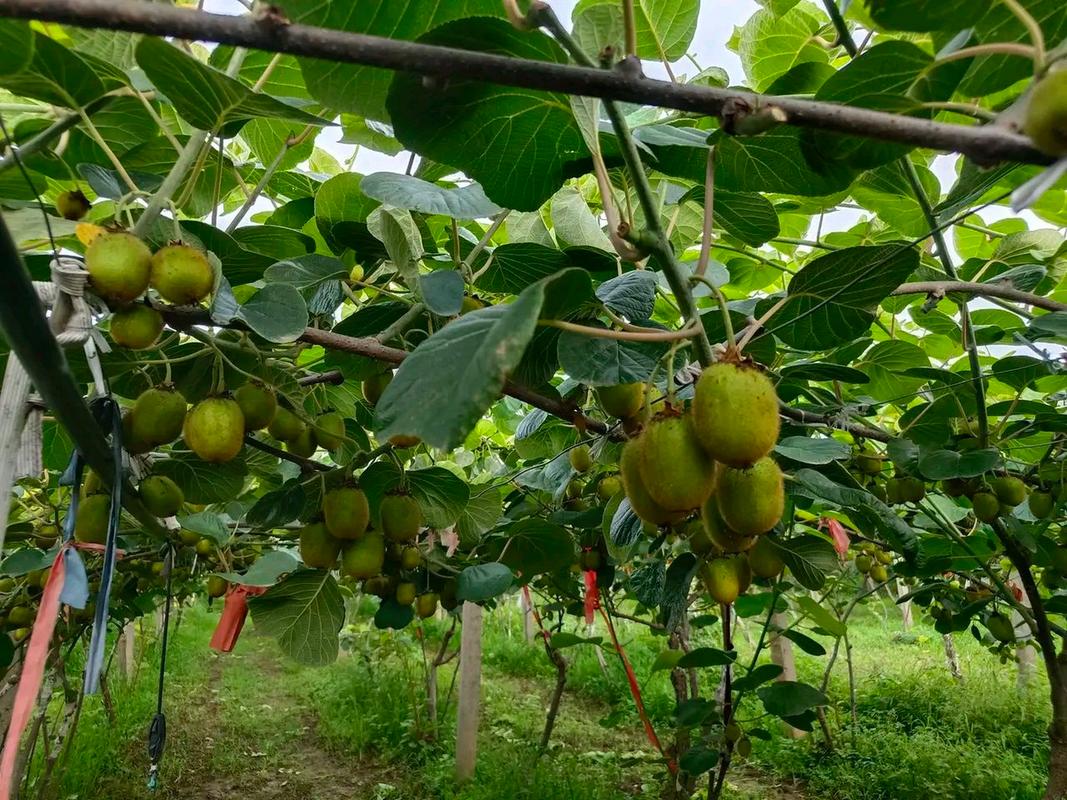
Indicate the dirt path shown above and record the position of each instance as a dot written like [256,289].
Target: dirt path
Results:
[245,735]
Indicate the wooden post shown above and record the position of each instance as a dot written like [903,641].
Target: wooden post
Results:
[470,689]
[125,654]
[782,655]
[527,619]
[951,656]
[905,607]
[1026,654]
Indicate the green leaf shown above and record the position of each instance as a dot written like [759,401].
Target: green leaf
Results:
[207,524]
[535,546]
[440,493]
[561,640]
[370,134]
[664,28]
[666,660]
[415,194]
[27,559]
[646,583]
[706,657]
[518,265]
[1019,372]
[756,677]
[341,211]
[771,162]
[202,482]
[306,272]
[631,295]
[941,465]
[267,138]
[746,216]
[304,613]
[483,582]
[277,312]
[480,515]
[205,97]
[922,15]
[809,558]
[832,300]
[790,698]
[279,506]
[55,74]
[606,362]
[805,642]
[16,45]
[396,229]
[362,90]
[449,381]
[391,614]
[266,570]
[442,292]
[487,130]
[574,224]
[820,616]
[812,450]
[771,45]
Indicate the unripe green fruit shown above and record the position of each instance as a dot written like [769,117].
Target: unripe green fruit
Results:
[726,579]
[864,564]
[735,413]
[21,615]
[161,495]
[401,517]
[182,274]
[119,265]
[955,487]
[624,400]
[1041,504]
[205,547]
[356,274]
[374,386]
[1009,490]
[136,327]
[216,586]
[400,441]
[1000,626]
[640,500]
[733,732]
[470,304]
[410,558]
[764,559]
[330,430]
[719,533]
[285,426]
[878,490]
[426,605]
[91,519]
[752,500]
[214,429]
[883,557]
[92,484]
[364,557]
[676,471]
[347,512]
[303,445]
[158,416]
[258,405]
[608,487]
[744,747]
[405,593]
[72,205]
[574,490]
[318,549]
[589,559]
[879,574]
[379,586]
[188,537]
[581,458]
[912,490]
[986,506]
[867,461]
[1046,114]
[894,494]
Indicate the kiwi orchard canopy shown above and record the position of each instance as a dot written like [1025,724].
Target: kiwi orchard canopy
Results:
[605,356]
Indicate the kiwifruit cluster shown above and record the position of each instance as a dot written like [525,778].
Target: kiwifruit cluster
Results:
[872,561]
[1000,495]
[713,456]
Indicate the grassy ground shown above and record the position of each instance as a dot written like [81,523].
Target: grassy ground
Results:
[251,724]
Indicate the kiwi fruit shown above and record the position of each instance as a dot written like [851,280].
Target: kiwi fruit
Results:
[1009,490]
[303,445]
[1041,504]
[133,444]
[751,500]
[470,304]
[91,519]
[864,564]
[214,429]
[158,415]
[589,560]
[405,593]
[1046,114]
[216,586]
[676,471]
[329,430]
[581,458]
[986,506]
[318,549]
[718,533]
[1000,626]
[426,605]
[136,327]
[401,517]
[356,274]
[285,426]
[867,461]
[727,578]
[182,274]
[119,265]
[364,557]
[347,512]
[735,413]
[608,487]
[623,400]
[401,441]
[911,489]
[640,500]
[160,495]
[258,405]
[205,547]
[374,387]
[410,558]
[72,205]
[878,573]
[764,559]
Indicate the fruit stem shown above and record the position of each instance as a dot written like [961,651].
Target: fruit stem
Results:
[487,237]
[709,214]
[94,134]
[688,332]
[1037,38]
[724,309]
[670,374]
[994,48]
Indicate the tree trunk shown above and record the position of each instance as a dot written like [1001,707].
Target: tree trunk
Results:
[905,608]
[782,655]
[470,688]
[557,694]
[951,657]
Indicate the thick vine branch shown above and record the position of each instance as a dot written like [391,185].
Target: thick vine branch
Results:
[271,32]
[1003,291]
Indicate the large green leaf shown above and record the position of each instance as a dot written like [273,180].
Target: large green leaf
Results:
[447,383]
[771,45]
[479,516]
[442,495]
[341,211]
[809,558]
[202,482]
[832,300]
[922,15]
[304,613]
[483,582]
[362,90]
[770,162]
[517,265]
[606,362]
[664,28]
[534,546]
[55,74]
[789,698]
[277,312]
[747,216]
[415,194]
[207,98]
[519,144]
[16,46]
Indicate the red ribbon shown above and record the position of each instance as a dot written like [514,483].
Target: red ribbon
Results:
[838,532]
[233,618]
[592,596]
